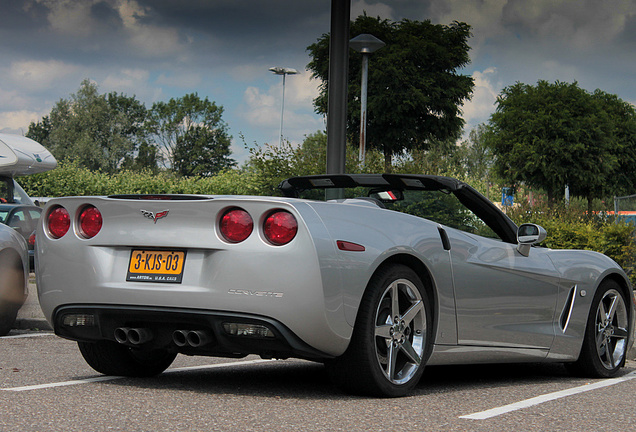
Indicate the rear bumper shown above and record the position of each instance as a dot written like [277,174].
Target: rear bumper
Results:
[158,325]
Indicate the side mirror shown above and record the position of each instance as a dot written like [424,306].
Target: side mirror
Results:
[528,235]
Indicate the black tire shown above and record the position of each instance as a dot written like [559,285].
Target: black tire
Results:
[8,313]
[606,334]
[378,337]
[11,290]
[111,358]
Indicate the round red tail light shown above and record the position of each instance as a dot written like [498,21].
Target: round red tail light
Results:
[90,221]
[59,222]
[236,225]
[280,227]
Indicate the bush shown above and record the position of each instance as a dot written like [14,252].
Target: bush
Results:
[568,228]
[572,228]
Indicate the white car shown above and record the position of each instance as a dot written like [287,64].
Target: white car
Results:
[18,156]
[14,273]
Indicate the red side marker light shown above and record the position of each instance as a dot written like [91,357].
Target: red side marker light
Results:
[349,247]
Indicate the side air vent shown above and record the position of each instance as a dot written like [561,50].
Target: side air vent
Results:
[567,310]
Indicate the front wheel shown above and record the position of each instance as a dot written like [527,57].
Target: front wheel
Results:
[606,335]
[391,338]
[111,358]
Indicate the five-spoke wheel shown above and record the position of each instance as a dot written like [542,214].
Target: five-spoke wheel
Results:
[391,339]
[611,328]
[606,336]
[400,331]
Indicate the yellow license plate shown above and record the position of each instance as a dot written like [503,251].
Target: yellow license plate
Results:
[156,266]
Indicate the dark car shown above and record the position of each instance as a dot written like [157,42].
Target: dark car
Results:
[18,212]
[24,219]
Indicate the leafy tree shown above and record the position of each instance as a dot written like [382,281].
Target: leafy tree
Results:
[478,156]
[552,135]
[96,131]
[186,128]
[40,131]
[414,90]
[202,152]
[146,158]
[268,165]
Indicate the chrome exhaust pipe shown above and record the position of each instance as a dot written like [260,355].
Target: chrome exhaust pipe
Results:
[197,338]
[190,338]
[121,334]
[137,336]
[180,338]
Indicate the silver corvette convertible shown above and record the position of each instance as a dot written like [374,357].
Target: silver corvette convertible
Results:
[397,272]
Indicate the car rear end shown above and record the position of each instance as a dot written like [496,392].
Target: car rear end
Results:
[225,276]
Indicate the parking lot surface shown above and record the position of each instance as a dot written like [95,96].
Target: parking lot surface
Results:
[45,385]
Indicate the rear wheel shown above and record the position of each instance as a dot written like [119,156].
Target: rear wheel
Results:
[11,290]
[391,338]
[606,335]
[111,358]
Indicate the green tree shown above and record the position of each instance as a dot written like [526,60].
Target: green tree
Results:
[414,89]
[552,135]
[96,131]
[185,128]
[268,165]
[478,157]
[40,131]
[202,152]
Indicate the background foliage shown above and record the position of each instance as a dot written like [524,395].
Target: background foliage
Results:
[415,91]
[568,227]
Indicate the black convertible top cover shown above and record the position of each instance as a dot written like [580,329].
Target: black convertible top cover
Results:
[467,195]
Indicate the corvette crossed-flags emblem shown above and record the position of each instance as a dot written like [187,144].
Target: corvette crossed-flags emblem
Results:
[155,216]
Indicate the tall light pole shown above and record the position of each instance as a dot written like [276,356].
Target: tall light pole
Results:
[364,44]
[284,72]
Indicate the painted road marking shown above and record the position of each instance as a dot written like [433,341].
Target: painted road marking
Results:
[26,335]
[494,412]
[110,378]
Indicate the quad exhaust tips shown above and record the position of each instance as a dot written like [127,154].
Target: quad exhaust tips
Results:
[132,336]
[190,338]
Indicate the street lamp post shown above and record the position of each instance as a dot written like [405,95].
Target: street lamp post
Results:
[364,44]
[284,72]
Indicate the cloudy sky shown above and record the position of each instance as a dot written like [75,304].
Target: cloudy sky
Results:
[222,49]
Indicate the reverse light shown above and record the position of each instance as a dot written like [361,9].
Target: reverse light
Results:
[280,227]
[79,320]
[90,222]
[58,222]
[236,225]
[247,330]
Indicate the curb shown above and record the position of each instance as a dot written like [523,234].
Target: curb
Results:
[32,324]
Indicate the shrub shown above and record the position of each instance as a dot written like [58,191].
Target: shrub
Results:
[572,228]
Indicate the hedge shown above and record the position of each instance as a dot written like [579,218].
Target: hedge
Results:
[567,228]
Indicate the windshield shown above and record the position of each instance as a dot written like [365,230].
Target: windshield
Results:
[11,192]
[435,205]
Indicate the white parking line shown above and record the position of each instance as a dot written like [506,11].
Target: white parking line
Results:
[110,378]
[547,397]
[27,335]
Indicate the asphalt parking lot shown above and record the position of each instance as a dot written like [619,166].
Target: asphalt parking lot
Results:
[47,386]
